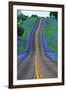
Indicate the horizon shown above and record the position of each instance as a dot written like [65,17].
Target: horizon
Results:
[35,12]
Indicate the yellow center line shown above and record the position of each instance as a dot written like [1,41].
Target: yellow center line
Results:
[36,65]
[36,53]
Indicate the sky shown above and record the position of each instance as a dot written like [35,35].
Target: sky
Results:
[33,12]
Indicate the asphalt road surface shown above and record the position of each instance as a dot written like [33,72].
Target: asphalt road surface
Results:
[36,65]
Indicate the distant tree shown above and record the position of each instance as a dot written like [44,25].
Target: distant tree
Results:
[55,14]
[20,19]
[34,16]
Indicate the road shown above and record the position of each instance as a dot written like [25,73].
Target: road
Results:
[36,65]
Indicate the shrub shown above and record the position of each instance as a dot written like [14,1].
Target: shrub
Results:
[20,31]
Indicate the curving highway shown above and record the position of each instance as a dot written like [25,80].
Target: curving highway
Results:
[36,65]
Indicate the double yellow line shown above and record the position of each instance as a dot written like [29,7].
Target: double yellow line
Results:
[36,67]
[36,53]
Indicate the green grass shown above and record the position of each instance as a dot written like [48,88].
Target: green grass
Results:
[22,47]
[51,31]
[26,30]
[29,28]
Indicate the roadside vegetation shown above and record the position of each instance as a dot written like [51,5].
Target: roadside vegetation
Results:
[24,26]
[51,30]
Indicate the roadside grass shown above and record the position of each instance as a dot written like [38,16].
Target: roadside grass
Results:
[51,36]
[27,29]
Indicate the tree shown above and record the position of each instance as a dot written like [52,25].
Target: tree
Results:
[20,19]
[55,14]
[20,31]
[34,16]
